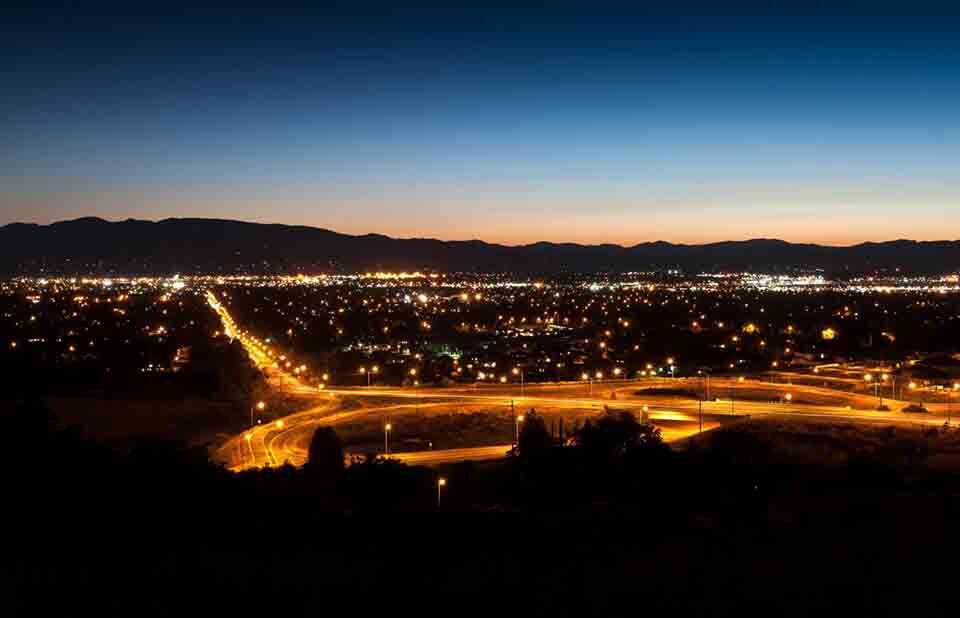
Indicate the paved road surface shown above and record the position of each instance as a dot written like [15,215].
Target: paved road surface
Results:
[286,440]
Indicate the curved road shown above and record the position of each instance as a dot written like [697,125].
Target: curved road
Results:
[287,439]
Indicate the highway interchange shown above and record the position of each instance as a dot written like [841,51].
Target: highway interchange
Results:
[667,403]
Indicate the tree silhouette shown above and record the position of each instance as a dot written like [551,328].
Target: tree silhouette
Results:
[616,435]
[325,459]
[534,437]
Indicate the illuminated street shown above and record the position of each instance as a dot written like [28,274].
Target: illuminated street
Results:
[285,440]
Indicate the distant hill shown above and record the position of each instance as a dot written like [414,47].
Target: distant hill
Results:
[92,245]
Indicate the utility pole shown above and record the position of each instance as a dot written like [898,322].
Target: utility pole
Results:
[701,416]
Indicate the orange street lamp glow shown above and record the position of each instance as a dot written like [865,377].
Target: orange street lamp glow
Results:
[441,483]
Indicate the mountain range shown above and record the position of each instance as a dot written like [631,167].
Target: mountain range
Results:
[95,246]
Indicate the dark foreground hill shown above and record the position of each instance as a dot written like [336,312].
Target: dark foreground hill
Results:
[92,245]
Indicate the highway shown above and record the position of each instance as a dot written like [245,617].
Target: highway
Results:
[671,403]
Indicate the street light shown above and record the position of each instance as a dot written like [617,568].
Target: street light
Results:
[413,373]
[386,438]
[732,404]
[441,483]
[516,429]
[369,374]
[260,406]
[956,387]
[913,387]
[876,386]
[249,438]
[519,371]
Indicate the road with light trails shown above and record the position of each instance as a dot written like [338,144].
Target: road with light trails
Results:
[287,439]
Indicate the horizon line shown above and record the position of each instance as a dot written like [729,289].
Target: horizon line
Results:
[470,240]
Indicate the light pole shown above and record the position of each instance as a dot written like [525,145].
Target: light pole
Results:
[249,438]
[868,378]
[260,406]
[913,387]
[416,395]
[701,415]
[732,389]
[517,419]
[386,438]
[956,387]
[519,371]
[441,483]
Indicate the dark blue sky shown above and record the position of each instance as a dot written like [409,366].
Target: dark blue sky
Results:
[587,122]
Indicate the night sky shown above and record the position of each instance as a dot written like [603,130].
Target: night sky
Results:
[590,122]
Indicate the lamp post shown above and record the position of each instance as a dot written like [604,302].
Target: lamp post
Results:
[260,406]
[868,378]
[386,438]
[413,374]
[519,371]
[732,389]
[441,483]
[956,387]
[517,419]
[249,438]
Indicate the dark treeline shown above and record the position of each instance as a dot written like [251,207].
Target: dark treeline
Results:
[607,521]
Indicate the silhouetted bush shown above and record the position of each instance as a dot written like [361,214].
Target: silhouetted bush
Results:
[534,438]
[325,458]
